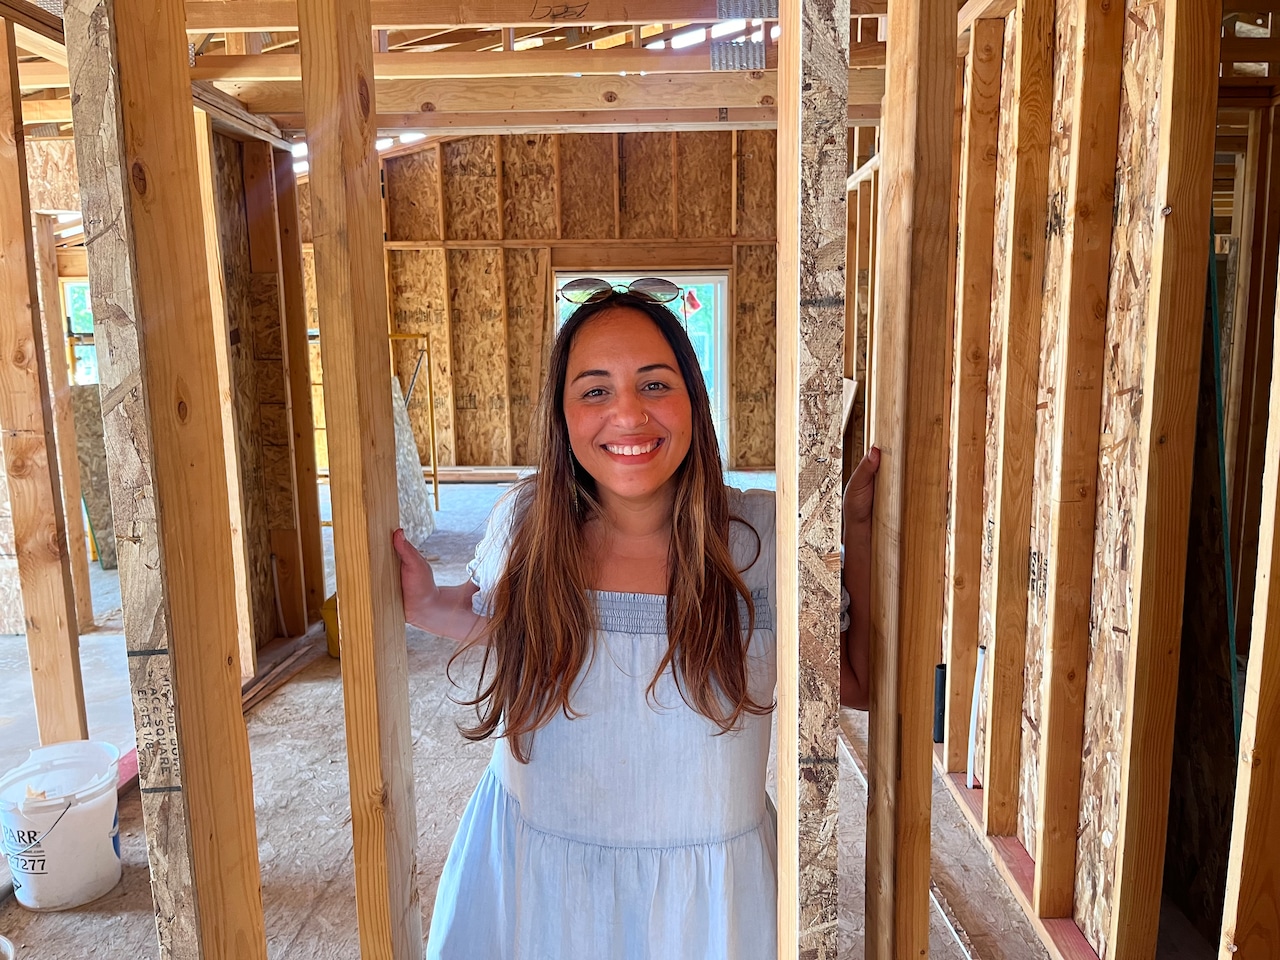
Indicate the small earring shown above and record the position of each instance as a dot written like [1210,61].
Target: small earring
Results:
[646,420]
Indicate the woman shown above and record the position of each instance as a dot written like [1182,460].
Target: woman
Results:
[624,596]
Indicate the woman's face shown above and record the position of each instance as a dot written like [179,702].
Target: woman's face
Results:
[628,411]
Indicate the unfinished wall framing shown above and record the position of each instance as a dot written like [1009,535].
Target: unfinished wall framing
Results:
[477,227]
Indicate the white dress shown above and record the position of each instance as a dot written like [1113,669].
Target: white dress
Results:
[635,832]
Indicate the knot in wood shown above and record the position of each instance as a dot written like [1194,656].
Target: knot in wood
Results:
[182,410]
[766,101]
[427,107]
[362,94]
[19,466]
[1166,211]
[138,177]
[609,97]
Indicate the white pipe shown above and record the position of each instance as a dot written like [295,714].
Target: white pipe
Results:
[973,709]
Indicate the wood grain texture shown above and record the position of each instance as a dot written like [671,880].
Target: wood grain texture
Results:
[301,423]
[529,187]
[911,359]
[1089,36]
[969,381]
[150,287]
[647,189]
[812,166]
[30,455]
[754,408]
[351,290]
[587,183]
[55,340]
[51,173]
[1018,311]
[469,177]
[1252,912]
[1166,440]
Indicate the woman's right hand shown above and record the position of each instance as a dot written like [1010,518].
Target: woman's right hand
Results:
[417,582]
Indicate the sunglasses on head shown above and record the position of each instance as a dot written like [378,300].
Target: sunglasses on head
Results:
[592,290]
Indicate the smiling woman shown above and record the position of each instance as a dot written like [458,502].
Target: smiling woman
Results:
[624,598]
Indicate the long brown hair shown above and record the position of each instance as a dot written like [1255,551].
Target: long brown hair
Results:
[543,620]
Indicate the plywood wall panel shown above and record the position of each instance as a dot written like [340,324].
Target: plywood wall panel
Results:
[754,355]
[413,196]
[999,284]
[304,211]
[233,232]
[1061,138]
[471,189]
[479,351]
[529,186]
[757,197]
[586,186]
[1119,471]
[528,312]
[704,183]
[419,306]
[647,186]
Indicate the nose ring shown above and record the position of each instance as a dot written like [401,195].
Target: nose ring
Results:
[646,420]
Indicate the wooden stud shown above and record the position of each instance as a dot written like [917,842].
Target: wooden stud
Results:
[1252,914]
[969,388]
[1009,511]
[136,154]
[509,437]
[264,259]
[911,364]
[30,454]
[55,338]
[617,186]
[299,377]
[1171,365]
[1086,265]
[733,190]
[245,645]
[557,185]
[337,65]
[812,167]
[675,186]
[502,207]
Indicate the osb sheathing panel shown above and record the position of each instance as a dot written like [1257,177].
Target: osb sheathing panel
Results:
[317,404]
[479,351]
[11,618]
[754,355]
[1202,791]
[999,287]
[470,189]
[704,183]
[412,189]
[309,289]
[91,454]
[1119,471]
[647,185]
[304,211]
[51,175]
[528,315]
[418,306]
[233,233]
[757,184]
[1046,408]
[528,186]
[586,186]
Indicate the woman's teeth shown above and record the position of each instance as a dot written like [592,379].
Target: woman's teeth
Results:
[629,450]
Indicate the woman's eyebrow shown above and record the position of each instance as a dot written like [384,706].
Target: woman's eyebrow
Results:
[590,373]
[656,366]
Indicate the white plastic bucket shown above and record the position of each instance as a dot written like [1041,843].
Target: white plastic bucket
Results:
[59,825]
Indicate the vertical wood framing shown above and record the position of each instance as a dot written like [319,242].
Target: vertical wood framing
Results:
[1019,314]
[911,363]
[1086,264]
[812,169]
[1175,318]
[1252,913]
[55,339]
[278,471]
[136,155]
[617,188]
[969,387]
[338,100]
[247,648]
[299,377]
[30,455]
